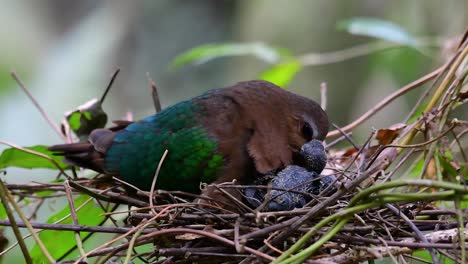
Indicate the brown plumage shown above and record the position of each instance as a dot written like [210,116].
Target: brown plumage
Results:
[254,126]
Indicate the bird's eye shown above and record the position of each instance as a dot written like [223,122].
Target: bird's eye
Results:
[307,131]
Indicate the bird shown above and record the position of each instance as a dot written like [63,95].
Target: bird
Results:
[295,185]
[224,135]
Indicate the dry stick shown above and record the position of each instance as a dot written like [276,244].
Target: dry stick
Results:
[114,76]
[422,144]
[182,230]
[71,204]
[38,226]
[154,93]
[76,228]
[360,254]
[338,140]
[439,92]
[237,245]
[36,104]
[133,230]
[155,178]
[346,136]
[28,225]
[14,226]
[258,233]
[323,95]
[456,140]
[399,164]
[416,230]
[386,101]
[183,251]
[461,227]
[427,91]
[232,198]
[434,237]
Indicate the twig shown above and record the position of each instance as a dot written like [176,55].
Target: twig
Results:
[435,237]
[154,94]
[131,231]
[418,233]
[111,82]
[360,254]
[38,226]
[14,226]
[76,228]
[237,245]
[386,101]
[346,136]
[376,155]
[38,106]
[155,178]
[180,230]
[28,225]
[323,95]
[71,204]
[439,92]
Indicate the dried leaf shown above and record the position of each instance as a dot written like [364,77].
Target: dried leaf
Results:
[385,136]
[350,151]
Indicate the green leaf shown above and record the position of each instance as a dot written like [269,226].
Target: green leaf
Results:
[3,214]
[378,28]
[445,162]
[282,74]
[74,120]
[13,157]
[204,53]
[416,169]
[423,254]
[58,242]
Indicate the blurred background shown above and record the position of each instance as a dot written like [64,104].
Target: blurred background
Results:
[66,51]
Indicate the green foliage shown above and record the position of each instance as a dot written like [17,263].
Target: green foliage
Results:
[403,64]
[204,53]
[416,169]
[378,28]
[282,74]
[3,214]
[285,66]
[13,157]
[446,166]
[425,255]
[59,242]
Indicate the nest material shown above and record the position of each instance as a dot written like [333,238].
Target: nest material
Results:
[388,201]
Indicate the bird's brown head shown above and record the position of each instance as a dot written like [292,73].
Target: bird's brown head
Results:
[280,122]
[306,121]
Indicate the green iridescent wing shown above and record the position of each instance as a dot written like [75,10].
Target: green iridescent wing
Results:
[192,152]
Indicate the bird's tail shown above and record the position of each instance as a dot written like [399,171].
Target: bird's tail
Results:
[87,155]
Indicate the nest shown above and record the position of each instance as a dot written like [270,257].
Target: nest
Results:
[392,197]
